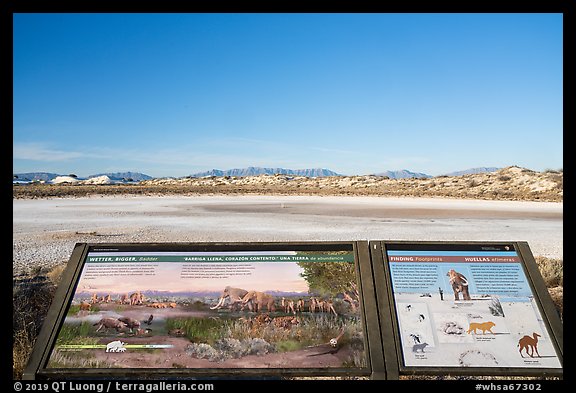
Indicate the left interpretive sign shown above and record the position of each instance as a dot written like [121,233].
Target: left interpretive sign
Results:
[255,309]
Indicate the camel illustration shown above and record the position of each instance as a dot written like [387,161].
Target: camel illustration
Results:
[288,306]
[529,343]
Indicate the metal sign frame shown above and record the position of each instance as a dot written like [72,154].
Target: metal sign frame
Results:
[378,312]
[374,363]
[389,312]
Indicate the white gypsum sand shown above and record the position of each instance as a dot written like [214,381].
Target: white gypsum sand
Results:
[46,230]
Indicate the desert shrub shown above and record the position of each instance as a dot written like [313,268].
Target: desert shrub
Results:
[76,333]
[23,342]
[357,357]
[60,359]
[31,298]
[205,330]
[74,309]
[242,330]
[236,348]
[288,345]
[551,270]
[202,351]
[229,348]
[553,275]
[198,305]
[311,330]
[258,346]
[557,295]
[55,274]
[238,329]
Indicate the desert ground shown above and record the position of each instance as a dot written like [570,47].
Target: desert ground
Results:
[46,230]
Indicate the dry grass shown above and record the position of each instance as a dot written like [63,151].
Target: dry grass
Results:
[553,275]
[551,270]
[31,296]
[55,274]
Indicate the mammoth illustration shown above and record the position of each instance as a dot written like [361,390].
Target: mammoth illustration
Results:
[235,295]
[260,300]
[459,284]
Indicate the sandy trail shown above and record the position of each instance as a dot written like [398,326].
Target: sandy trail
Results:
[46,230]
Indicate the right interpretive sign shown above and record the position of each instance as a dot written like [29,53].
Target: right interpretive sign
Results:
[468,306]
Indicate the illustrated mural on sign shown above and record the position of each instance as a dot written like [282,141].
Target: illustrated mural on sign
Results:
[273,309]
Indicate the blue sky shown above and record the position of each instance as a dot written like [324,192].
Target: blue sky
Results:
[175,94]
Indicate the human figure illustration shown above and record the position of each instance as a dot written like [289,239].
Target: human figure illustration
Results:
[441,293]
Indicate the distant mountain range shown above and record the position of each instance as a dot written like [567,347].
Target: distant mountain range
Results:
[152,293]
[321,172]
[473,171]
[256,171]
[125,177]
[403,174]
[35,176]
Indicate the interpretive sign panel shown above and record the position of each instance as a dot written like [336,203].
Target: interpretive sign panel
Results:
[468,306]
[294,308]
[378,309]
